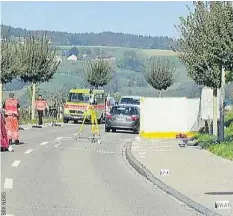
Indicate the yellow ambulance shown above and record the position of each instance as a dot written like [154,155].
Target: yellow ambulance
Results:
[77,102]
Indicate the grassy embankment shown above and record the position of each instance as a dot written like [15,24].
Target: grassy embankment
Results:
[223,149]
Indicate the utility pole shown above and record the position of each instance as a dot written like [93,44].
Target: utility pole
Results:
[222,105]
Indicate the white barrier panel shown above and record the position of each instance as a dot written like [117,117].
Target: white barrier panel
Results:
[193,114]
[166,117]
[207,104]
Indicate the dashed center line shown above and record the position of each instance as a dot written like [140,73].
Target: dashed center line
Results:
[8,184]
[44,143]
[28,151]
[16,163]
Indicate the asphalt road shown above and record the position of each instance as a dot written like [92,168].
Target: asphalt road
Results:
[78,178]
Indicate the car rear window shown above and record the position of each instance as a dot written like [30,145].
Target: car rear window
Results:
[130,101]
[123,111]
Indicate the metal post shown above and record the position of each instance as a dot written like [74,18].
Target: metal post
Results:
[222,102]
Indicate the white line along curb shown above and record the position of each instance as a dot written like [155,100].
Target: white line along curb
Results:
[44,143]
[28,151]
[8,184]
[16,163]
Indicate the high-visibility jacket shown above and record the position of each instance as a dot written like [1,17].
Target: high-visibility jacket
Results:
[41,105]
[11,106]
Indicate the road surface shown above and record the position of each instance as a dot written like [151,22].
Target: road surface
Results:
[51,178]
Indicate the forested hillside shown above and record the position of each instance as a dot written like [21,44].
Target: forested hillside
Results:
[92,39]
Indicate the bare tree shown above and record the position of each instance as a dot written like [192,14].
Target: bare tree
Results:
[159,73]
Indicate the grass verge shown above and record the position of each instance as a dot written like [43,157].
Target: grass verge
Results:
[223,149]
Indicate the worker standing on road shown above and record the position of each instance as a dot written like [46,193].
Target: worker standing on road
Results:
[11,108]
[4,138]
[40,106]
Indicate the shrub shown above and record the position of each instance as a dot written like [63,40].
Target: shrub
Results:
[206,140]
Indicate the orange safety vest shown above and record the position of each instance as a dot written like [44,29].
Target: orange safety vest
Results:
[11,106]
[41,105]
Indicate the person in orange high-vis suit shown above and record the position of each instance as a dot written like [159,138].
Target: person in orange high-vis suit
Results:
[11,108]
[40,106]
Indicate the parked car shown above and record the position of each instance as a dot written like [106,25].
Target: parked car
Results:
[133,100]
[123,117]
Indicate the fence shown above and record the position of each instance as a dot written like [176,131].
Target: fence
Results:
[51,115]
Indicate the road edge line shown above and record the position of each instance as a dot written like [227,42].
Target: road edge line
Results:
[142,170]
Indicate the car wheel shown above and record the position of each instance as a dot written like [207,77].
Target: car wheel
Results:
[114,130]
[107,129]
[76,121]
[65,121]
[136,131]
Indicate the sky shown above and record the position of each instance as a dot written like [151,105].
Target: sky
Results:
[143,18]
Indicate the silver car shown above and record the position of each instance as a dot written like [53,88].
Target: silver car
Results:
[123,117]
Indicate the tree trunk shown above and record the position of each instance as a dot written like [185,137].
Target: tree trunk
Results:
[1,95]
[33,100]
[215,112]
[160,94]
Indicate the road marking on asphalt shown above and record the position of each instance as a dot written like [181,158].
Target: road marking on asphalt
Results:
[224,204]
[8,184]
[142,154]
[44,143]
[16,163]
[164,172]
[28,151]
[9,214]
[75,134]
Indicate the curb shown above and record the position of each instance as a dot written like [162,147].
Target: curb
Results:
[141,169]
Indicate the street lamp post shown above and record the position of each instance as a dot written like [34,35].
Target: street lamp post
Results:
[222,102]
[222,105]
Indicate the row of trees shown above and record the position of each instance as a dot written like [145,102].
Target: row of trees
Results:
[92,39]
[34,61]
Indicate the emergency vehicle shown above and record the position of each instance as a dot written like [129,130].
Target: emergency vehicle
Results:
[77,103]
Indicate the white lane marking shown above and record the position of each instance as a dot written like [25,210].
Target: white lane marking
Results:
[44,143]
[16,163]
[28,151]
[9,214]
[75,134]
[8,183]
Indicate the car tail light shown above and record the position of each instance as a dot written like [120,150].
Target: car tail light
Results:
[109,116]
[134,117]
